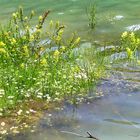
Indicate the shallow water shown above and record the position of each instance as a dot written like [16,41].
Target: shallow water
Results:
[116,114]
[113,16]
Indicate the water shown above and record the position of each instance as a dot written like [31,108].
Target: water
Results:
[113,16]
[115,115]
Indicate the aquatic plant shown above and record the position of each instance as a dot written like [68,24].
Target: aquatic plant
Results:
[91,13]
[130,43]
[124,49]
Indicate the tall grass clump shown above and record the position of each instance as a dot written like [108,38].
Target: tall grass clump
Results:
[91,13]
[40,65]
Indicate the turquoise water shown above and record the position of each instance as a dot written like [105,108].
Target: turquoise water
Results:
[115,115]
[112,16]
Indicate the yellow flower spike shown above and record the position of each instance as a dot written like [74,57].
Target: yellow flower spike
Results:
[40,18]
[58,38]
[2,44]
[124,34]
[138,41]
[63,48]
[26,18]
[129,53]
[38,31]
[132,34]
[36,56]
[25,47]
[56,54]
[51,24]
[132,37]
[14,15]
[42,48]
[77,40]
[60,32]
[77,69]
[32,38]
[37,27]
[13,41]
[43,61]
[26,51]
[2,50]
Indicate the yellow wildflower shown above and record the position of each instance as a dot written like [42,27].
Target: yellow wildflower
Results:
[38,31]
[56,54]
[14,15]
[43,61]
[132,34]
[60,32]
[32,38]
[63,48]
[26,18]
[58,38]
[129,53]
[2,44]
[2,50]
[77,40]
[13,41]
[26,51]
[40,18]
[138,41]
[124,34]
[132,37]
[37,27]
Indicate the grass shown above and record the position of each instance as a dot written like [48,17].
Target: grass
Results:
[41,69]
[91,13]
